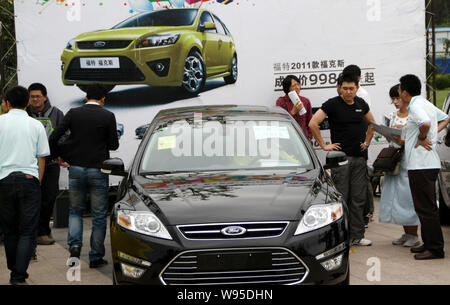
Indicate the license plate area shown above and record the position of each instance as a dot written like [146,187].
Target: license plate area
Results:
[236,261]
[100,63]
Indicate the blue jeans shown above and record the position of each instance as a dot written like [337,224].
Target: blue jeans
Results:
[84,180]
[20,202]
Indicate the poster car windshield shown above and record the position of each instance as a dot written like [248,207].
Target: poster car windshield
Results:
[238,52]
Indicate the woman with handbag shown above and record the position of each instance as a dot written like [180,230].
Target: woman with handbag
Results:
[396,204]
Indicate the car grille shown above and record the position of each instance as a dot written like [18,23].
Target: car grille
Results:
[103,45]
[126,73]
[252,230]
[235,266]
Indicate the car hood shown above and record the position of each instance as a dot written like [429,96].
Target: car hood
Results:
[232,197]
[126,33]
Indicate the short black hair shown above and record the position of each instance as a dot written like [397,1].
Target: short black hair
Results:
[393,92]
[38,86]
[349,78]
[411,84]
[339,80]
[18,97]
[352,69]
[95,92]
[287,82]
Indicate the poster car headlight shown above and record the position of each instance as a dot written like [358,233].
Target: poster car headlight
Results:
[158,40]
[143,50]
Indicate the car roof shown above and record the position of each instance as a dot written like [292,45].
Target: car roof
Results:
[224,110]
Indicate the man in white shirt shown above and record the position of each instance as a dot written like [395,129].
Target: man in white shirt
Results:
[423,163]
[23,148]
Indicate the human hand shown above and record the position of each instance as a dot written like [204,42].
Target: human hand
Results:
[425,143]
[333,146]
[398,126]
[363,147]
[398,140]
[63,163]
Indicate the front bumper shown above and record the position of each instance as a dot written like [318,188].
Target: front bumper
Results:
[136,66]
[156,257]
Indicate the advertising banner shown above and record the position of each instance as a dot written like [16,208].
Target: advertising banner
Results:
[247,47]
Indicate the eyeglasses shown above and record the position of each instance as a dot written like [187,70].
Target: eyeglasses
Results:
[36,96]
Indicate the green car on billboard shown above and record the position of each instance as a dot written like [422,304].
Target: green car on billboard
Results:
[173,47]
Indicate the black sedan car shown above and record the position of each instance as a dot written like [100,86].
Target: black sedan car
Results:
[444,174]
[221,195]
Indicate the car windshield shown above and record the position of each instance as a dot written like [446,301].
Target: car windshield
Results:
[182,17]
[220,144]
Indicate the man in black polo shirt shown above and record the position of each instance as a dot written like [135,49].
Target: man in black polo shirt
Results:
[350,127]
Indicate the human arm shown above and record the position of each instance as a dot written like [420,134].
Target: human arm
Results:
[41,167]
[442,125]
[59,131]
[316,120]
[369,134]
[113,141]
[422,139]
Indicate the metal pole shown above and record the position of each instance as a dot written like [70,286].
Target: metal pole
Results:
[2,67]
[433,37]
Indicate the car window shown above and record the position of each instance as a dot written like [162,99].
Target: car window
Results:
[206,17]
[161,18]
[219,26]
[219,144]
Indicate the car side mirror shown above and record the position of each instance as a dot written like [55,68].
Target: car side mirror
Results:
[207,26]
[114,167]
[335,159]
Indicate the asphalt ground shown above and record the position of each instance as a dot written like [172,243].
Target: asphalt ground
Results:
[379,264]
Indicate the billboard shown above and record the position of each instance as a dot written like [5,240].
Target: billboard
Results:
[151,64]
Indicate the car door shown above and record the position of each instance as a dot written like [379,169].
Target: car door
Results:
[444,155]
[225,44]
[210,43]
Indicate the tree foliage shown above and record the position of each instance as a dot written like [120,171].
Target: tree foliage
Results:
[441,13]
[8,57]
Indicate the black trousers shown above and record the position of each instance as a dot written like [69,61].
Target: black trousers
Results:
[49,191]
[20,201]
[423,190]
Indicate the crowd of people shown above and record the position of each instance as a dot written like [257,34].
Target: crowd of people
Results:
[45,139]
[408,198]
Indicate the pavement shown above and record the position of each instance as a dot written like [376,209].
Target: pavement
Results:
[380,264]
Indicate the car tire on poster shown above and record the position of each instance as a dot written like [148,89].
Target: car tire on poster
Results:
[232,78]
[194,74]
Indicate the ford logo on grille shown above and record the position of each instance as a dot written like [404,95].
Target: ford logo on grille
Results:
[233,231]
[99,44]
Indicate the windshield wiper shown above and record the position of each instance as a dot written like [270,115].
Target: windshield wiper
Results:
[156,173]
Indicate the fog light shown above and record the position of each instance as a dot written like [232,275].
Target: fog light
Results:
[133,259]
[131,271]
[334,263]
[159,67]
[331,252]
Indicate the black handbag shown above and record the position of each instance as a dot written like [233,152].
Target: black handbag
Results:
[388,161]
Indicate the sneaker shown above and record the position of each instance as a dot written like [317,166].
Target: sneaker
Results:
[411,241]
[45,240]
[400,241]
[361,242]
[97,263]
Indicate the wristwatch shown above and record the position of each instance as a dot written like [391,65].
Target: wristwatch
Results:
[367,144]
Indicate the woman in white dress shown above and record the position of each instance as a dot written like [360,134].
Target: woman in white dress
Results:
[396,204]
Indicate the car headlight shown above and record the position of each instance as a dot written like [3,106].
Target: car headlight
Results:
[71,44]
[318,216]
[158,40]
[142,222]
